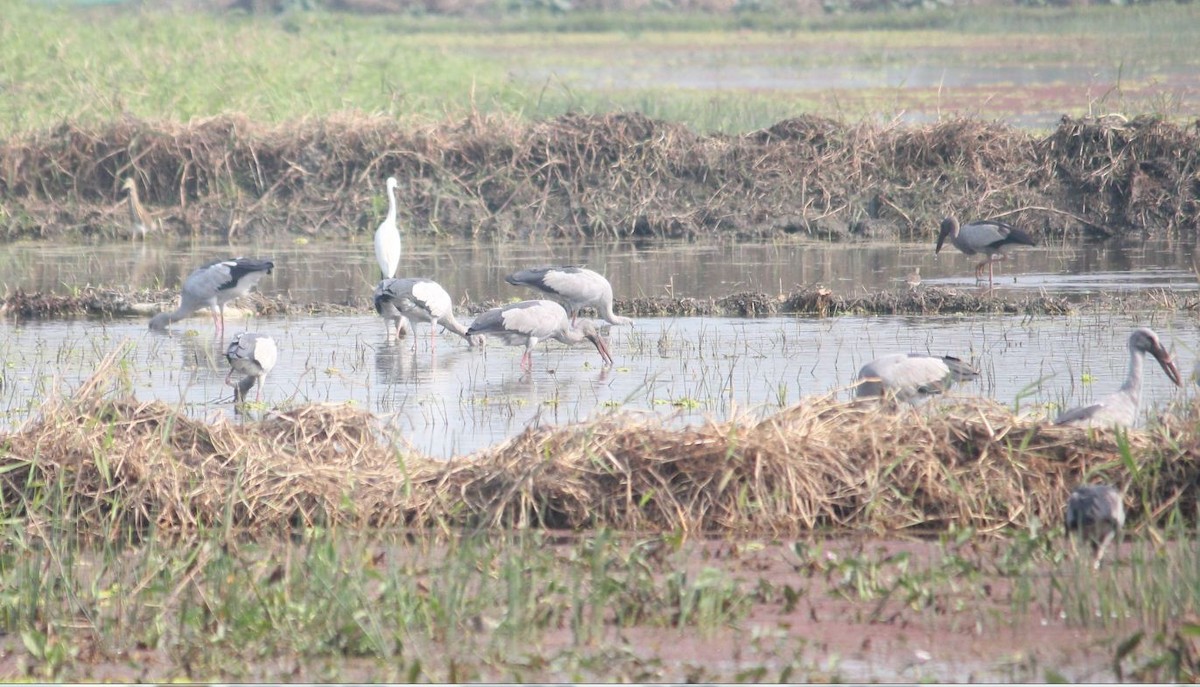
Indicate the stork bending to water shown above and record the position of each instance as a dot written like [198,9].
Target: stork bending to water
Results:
[990,237]
[212,286]
[252,355]
[420,300]
[529,322]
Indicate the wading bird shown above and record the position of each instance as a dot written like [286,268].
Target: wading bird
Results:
[419,300]
[529,322]
[1120,408]
[911,377]
[140,220]
[1097,515]
[387,236]
[252,355]
[573,287]
[212,286]
[989,237]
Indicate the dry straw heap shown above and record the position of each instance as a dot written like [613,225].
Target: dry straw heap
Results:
[105,462]
[615,175]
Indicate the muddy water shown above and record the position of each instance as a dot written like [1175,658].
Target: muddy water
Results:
[345,272]
[455,400]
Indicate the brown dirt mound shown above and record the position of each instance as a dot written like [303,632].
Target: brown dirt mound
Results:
[612,175]
[814,300]
[101,458]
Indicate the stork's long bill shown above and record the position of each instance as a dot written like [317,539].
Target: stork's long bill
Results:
[602,347]
[1168,366]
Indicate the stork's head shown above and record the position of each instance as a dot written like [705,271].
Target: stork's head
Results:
[589,332]
[949,228]
[1144,340]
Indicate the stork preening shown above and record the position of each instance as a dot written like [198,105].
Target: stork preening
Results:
[528,322]
[387,236]
[1097,515]
[911,377]
[1120,408]
[212,286]
[141,221]
[989,237]
[252,355]
[420,300]
[573,287]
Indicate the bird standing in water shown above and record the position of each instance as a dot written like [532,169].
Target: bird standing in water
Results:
[253,355]
[990,237]
[212,286]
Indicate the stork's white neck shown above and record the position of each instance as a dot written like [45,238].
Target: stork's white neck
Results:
[1133,381]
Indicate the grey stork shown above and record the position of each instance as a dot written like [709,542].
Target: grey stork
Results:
[990,237]
[420,300]
[387,236]
[529,322]
[212,286]
[574,287]
[1097,515]
[911,377]
[253,355]
[1120,408]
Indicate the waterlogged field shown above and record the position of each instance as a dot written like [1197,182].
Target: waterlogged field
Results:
[91,590]
[455,401]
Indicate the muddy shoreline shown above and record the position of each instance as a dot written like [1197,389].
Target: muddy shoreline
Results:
[814,301]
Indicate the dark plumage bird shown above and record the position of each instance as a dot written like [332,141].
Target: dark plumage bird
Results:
[1121,407]
[420,300]
[528,322]
[212,286]
[911,377]
[253,355]
[989,237]
[1096,514]
[573,287]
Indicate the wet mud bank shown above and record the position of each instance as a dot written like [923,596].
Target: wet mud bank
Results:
[816,301]
[602,176]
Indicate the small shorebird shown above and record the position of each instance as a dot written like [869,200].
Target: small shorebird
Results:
[913,279]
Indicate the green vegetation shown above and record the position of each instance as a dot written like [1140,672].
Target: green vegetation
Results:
[95,66]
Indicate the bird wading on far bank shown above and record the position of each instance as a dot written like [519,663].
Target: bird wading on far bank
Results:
[574,287]
[529,322]
[212,286]
[1120,408]
[988,237]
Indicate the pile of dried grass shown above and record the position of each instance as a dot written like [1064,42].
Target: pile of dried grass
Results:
[612,175]
[101,458]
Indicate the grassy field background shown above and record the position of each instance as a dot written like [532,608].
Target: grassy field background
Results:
[91,66]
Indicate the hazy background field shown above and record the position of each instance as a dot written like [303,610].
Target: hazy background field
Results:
[730,71]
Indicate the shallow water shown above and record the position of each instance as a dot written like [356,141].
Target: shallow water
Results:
[457,400]
[345,272]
